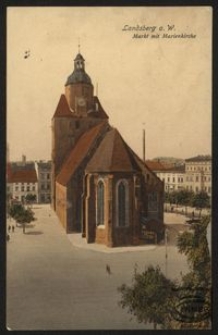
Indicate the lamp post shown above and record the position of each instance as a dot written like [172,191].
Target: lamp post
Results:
[166,251]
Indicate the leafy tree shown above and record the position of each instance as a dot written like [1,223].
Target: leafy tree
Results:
[184,198]
[201,200]
[22,215]
[30,197]
[194,245]
[153,298]
[150,296]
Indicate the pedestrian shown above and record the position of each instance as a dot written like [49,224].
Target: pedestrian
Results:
[13,229]
[108,269]
[9,228]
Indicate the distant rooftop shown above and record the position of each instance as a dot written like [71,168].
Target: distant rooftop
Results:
[199,158]
[21,172]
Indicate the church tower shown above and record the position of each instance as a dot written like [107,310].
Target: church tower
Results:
[79,88]
[77,111]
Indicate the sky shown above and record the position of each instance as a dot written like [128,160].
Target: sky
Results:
[159,84]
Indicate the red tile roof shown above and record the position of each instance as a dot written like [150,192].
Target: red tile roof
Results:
[155,165]
[100,113]
[79,152]
[113,155]
[63,108]
[22,176]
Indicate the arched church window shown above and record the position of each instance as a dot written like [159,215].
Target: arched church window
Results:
[122,203]
[100,203]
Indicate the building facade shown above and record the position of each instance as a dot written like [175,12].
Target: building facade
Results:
[198,174]
[22,180]
[172,176]
[195,175]
[100,187]
[43,169]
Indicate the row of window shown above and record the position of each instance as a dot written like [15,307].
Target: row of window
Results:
[45,176]
[179,180]
[122,203]
[198,189]
[205,168]
[188,178]
[25,188]
[45,187]
[30,184]
[198,178]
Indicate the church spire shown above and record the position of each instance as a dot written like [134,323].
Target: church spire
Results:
[79,46]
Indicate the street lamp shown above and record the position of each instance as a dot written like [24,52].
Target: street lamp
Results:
[166,251]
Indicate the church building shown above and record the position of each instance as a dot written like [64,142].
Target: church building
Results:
[100,187]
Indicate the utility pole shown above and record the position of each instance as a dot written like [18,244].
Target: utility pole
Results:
[143,144]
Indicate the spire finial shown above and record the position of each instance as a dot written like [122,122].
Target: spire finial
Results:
[79,45]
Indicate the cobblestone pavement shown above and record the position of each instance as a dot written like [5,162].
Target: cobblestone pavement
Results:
[55,282]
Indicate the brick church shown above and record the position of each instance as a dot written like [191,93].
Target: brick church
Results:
[100,187]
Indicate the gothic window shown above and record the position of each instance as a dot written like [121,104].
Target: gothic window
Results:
[100,203]
[122,195]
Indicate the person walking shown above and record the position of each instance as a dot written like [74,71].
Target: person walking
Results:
[9,228]
[108,269]
[13,229]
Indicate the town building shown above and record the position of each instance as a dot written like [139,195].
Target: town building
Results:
[43,170]
[100,187]
[198,174]
[195,175]
[22,180]
[173,176]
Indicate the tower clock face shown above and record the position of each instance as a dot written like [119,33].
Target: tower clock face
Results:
[81,102]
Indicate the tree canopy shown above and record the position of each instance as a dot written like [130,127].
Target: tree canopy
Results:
[21,214]
[186,304]
[149,297]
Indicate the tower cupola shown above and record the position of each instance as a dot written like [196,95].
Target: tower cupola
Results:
[79,75]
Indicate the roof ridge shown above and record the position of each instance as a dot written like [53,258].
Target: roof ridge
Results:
[79,152]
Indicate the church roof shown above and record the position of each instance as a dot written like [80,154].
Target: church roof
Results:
[63,108]
[79,153]
[99,112]
[78,76]
[112,155]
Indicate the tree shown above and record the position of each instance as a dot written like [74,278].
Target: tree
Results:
[150,296]
[201,200]
[185,304]
[184,198]
[195,246]
[22,215]
[30,197]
